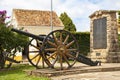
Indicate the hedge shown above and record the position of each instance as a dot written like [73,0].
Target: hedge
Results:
[83,39]
[119,39]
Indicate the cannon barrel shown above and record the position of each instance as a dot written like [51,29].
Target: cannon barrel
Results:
[41,38]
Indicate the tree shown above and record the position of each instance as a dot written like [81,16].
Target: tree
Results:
[119,17]
[68,23]
[10,42]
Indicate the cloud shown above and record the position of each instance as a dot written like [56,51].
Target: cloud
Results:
[78,10]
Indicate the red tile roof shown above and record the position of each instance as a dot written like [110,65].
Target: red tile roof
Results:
[36,18]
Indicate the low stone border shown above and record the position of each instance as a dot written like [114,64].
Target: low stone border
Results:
[52,72]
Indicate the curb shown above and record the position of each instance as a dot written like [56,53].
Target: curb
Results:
[53,73]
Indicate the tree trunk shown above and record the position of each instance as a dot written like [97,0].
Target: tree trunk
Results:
[2,60]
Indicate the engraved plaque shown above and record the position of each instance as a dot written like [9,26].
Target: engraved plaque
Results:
[99,33]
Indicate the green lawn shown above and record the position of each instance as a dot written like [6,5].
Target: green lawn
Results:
[17,73]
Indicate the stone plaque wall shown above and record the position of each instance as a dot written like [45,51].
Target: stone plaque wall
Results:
[104,36]
[99,33]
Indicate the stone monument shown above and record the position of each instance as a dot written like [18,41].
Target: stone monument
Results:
[104,36]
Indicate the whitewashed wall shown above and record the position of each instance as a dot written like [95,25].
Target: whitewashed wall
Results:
[40,29]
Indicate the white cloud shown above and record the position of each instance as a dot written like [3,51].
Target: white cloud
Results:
[78,10]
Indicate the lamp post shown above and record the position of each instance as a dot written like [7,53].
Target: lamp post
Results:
[51,16]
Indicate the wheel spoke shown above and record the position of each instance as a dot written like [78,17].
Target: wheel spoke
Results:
[55,39]
[51,43]
[72,50]
[47,61]
[52,55]
[66,39]
[55,60]
[33,51]
[35,56]
[38,60]
[69,44]
[70,55]
[64,56]
[50,49]
[38,43]
[34,46]
[43,63]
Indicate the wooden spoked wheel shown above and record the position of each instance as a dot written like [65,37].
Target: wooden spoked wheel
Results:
[8,63]
[60,49]
[5,59]
[34,54]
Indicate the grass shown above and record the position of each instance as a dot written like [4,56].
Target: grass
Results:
[17,73]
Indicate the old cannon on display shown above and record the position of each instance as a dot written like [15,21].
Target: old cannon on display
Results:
[53,50]
[59,50]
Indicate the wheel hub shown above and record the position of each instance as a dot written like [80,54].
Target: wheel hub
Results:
[61,49]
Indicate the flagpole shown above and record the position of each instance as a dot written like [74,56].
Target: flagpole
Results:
[51,16]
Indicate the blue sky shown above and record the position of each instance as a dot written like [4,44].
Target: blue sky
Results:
[78,10]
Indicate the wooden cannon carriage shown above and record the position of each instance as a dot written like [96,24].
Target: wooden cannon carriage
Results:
[58,50]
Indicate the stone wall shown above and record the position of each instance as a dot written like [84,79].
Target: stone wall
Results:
[112,49]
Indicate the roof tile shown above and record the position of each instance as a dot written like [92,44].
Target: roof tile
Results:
[36,18]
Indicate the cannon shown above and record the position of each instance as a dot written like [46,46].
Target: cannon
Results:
[59,50]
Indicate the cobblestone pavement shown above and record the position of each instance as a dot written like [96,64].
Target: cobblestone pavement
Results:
[114,75]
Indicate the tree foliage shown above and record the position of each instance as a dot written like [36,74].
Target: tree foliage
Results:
[68,23]
[9,40]
[119,17]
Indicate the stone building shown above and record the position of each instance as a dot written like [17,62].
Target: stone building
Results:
[35,21]
[104,36]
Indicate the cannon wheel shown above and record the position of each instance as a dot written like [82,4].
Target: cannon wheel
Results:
[4,63]
[62,48]
[9,63]
[34,54]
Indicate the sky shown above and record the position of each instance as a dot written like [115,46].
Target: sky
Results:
[78,10]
